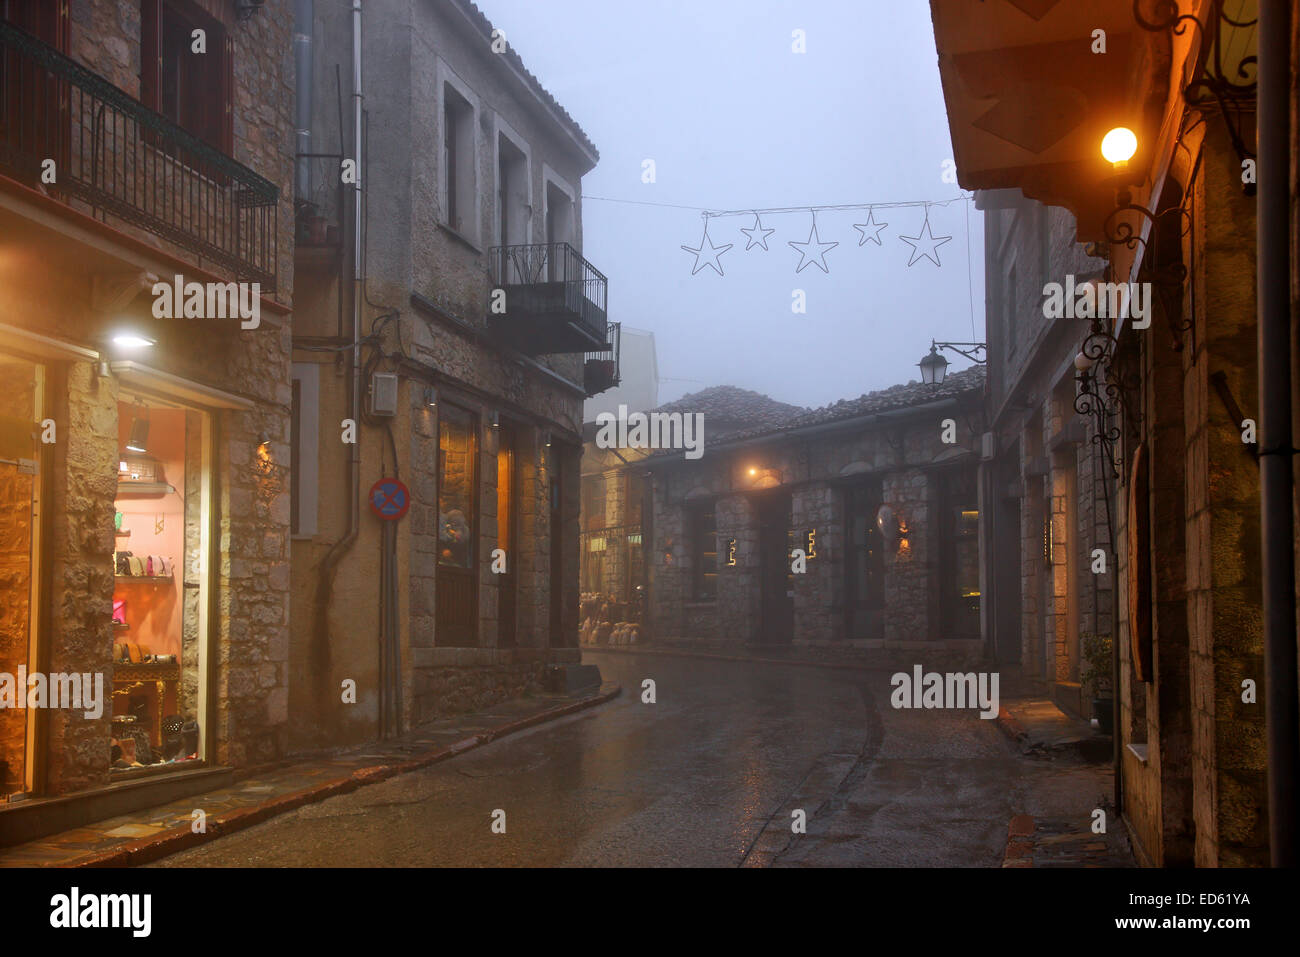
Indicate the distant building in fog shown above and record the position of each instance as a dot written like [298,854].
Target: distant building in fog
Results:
[638,387]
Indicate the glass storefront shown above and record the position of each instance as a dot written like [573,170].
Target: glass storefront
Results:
[20,413]
[159,635]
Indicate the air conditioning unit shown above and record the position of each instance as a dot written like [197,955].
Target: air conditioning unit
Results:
[383,393]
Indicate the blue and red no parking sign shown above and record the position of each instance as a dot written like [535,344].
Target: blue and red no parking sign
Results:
[389,499]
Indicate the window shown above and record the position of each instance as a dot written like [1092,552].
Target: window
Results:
[304,449]
[458,160]
[702,530]
[559,215]
[1009,303]
[512,193]
[456,487]
[593,502]
[192,89]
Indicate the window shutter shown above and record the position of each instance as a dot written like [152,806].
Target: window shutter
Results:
[150,52]
[1139,566]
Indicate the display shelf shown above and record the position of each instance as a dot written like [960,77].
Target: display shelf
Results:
[145,579]
[120,626]
[144,488]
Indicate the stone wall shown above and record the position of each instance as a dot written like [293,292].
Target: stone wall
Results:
[816,470]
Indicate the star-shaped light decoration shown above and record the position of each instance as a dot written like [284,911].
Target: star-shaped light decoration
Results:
[706,254]
[759,240]
[818,256]
[872,227]
[926,244]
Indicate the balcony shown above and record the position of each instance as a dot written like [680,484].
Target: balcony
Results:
[121,159]
[600,370]
[554,299]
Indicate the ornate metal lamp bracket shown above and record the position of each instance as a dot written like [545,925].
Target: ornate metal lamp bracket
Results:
[1231,92]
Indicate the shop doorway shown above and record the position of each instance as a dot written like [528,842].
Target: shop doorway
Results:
[162,537]
[864,563]
[555,464]
[20,413]
[507,499]
[775,541]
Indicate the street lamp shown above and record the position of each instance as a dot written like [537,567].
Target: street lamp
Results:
[934,367]
[1118,147]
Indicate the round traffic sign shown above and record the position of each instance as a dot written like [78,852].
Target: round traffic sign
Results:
[389,499]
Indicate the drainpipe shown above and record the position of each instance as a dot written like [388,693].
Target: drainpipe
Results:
[304,14]
[1275,437]
[329,564]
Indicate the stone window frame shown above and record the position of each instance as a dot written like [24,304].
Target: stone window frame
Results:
[470,221]
[501,128]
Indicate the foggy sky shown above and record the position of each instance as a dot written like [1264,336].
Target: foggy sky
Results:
[710,90]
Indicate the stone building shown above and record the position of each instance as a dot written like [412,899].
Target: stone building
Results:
[843,530]
[616,508]
[1164,394]
[144,459]
[1047,502]
[456,325]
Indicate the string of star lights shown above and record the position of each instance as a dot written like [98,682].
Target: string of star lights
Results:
[813,250]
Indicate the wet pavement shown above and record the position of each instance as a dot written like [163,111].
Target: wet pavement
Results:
[709,775]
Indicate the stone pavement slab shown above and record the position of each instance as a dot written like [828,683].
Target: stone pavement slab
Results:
[151,833]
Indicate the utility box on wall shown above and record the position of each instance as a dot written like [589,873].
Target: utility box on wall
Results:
[383,393]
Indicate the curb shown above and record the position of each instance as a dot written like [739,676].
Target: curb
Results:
[1011,727]
[1020,842]
[181,837]
[686,653]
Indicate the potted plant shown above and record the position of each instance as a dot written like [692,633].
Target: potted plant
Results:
[1097,677]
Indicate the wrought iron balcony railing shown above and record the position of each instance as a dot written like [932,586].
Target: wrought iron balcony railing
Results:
[121,158]
[555,301]
[600,370]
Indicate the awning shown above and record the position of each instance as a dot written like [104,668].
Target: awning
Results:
[132,373]
[1029,100]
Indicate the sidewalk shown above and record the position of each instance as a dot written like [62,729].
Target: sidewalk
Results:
[1041,728]
[1053,836]
[156,832]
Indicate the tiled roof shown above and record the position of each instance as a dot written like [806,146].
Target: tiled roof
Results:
[485,27]
[733,404]
[896,397]
[882,400]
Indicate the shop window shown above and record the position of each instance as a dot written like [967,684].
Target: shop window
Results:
[456,512]
[192,89]
[158,614]
[20,410]
[702,528]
